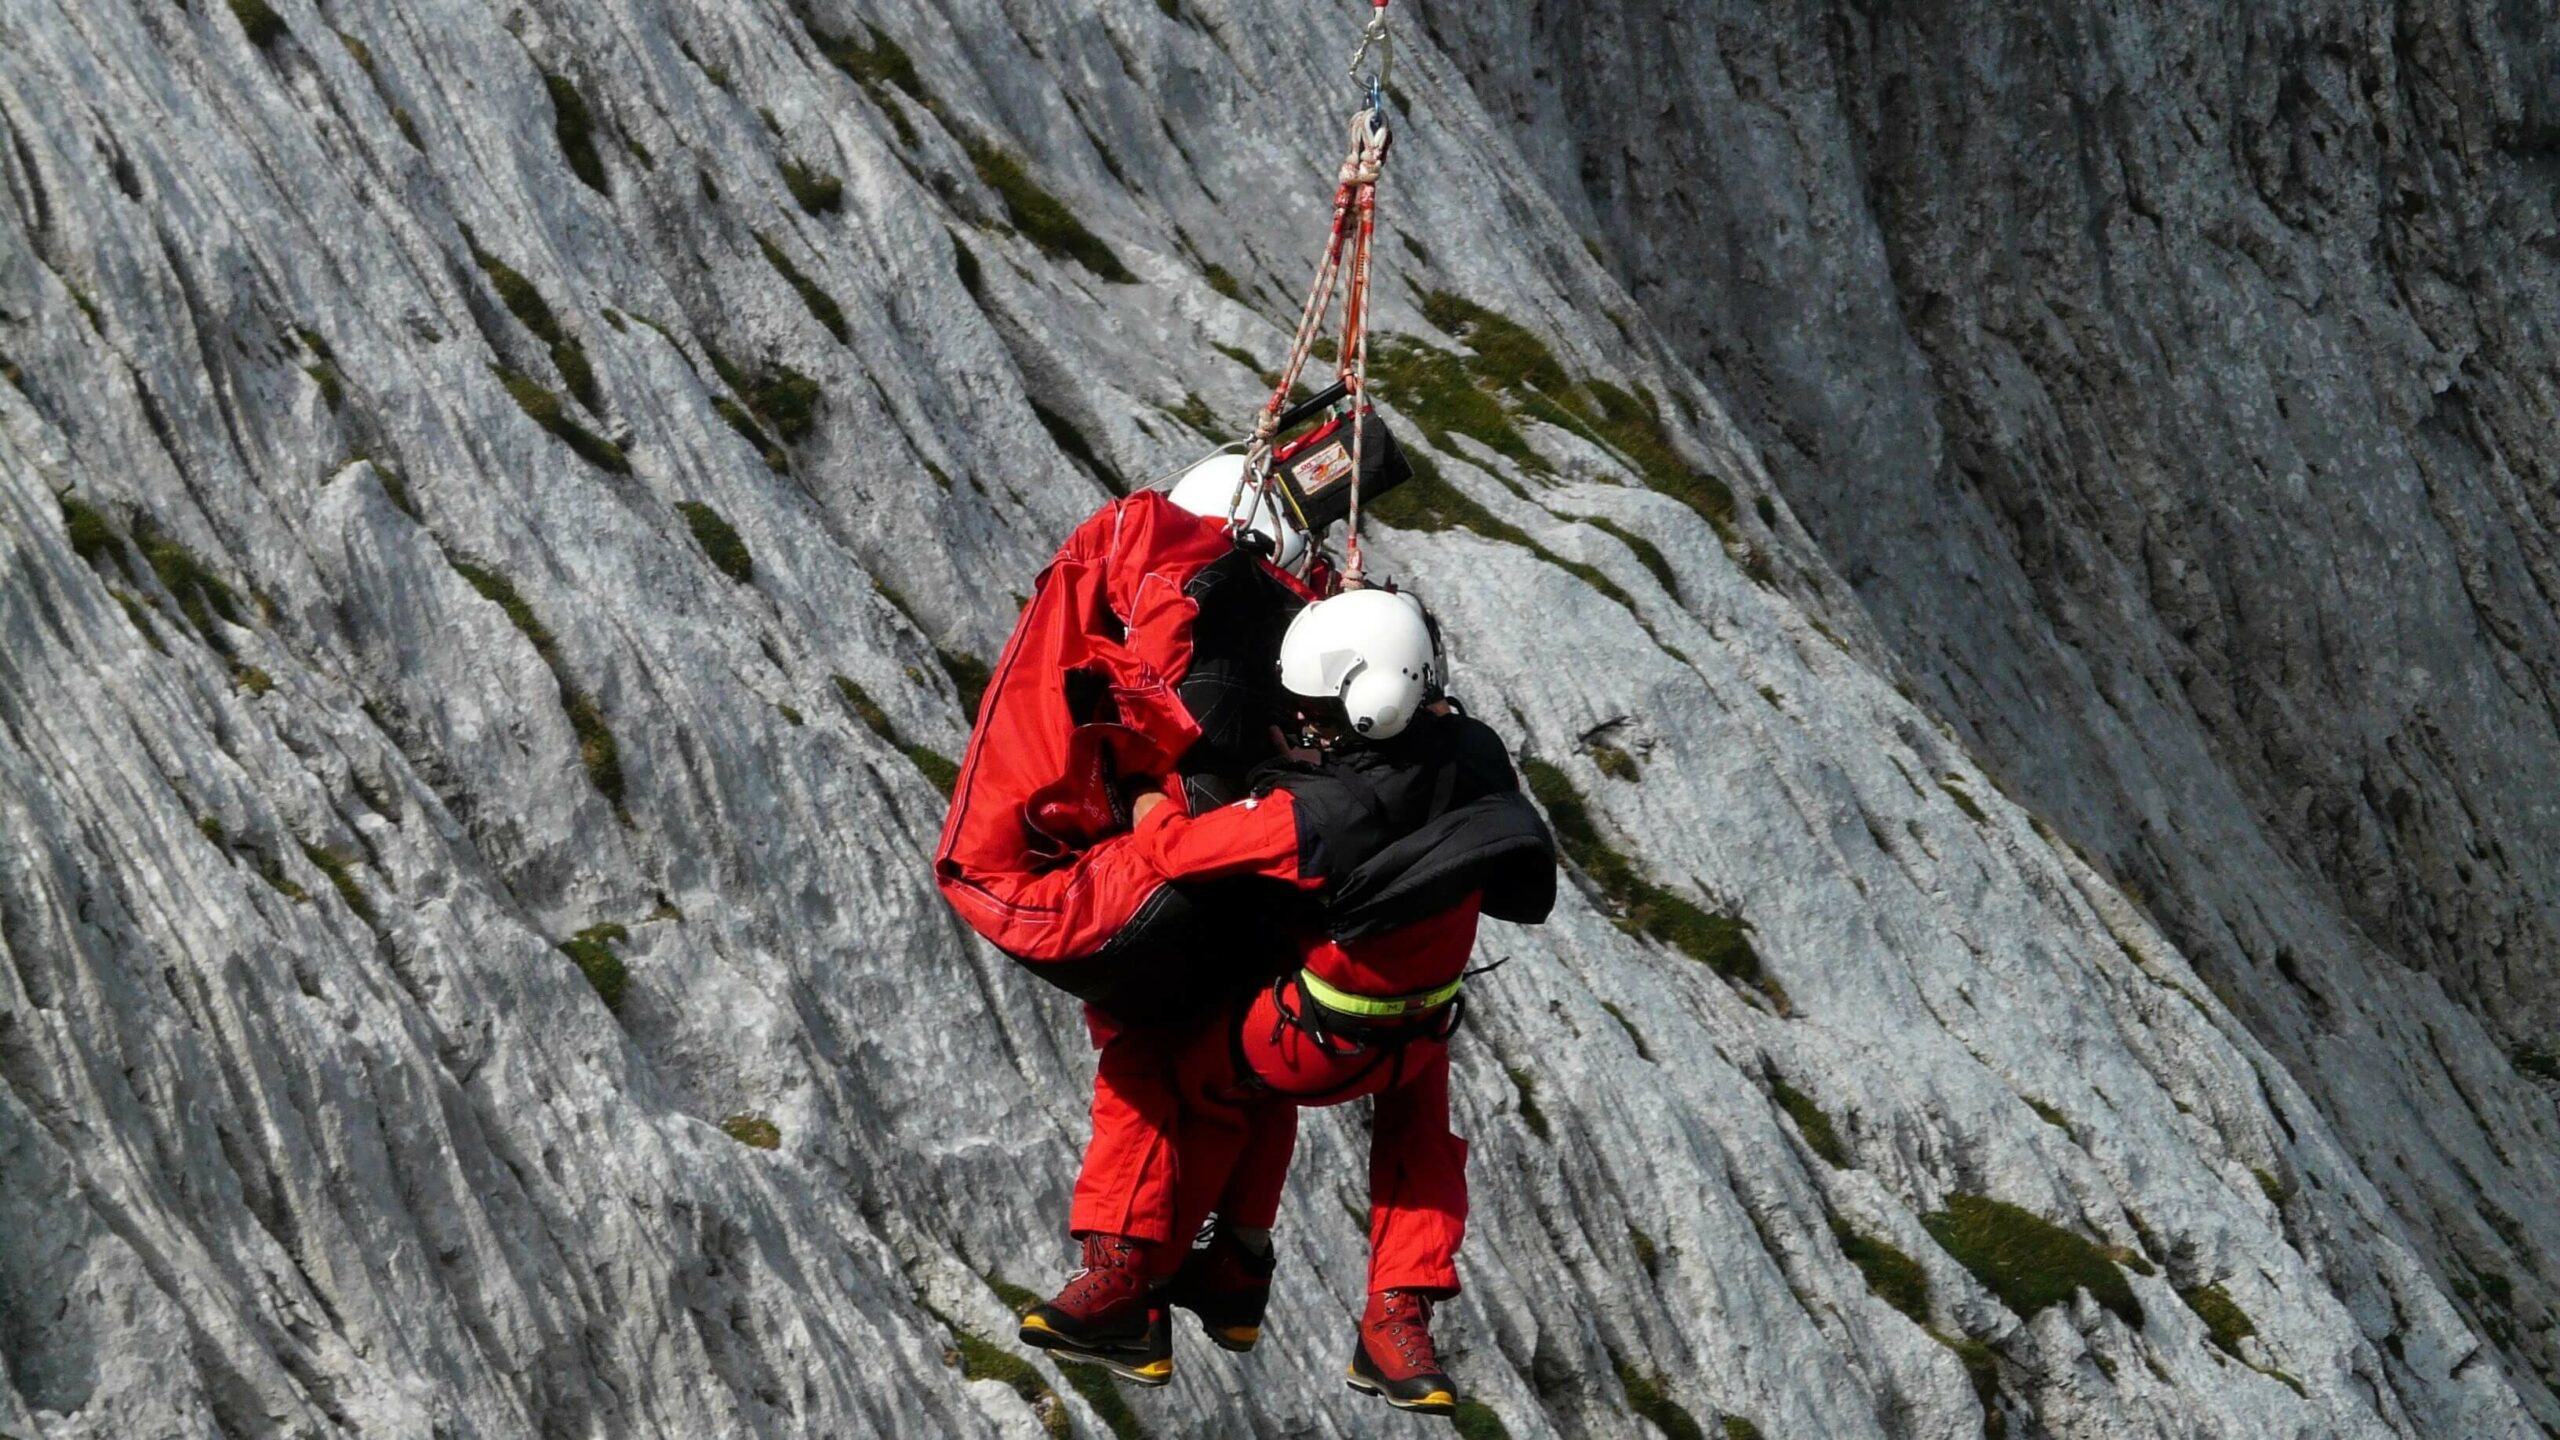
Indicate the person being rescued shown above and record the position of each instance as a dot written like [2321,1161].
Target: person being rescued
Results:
[1400,817]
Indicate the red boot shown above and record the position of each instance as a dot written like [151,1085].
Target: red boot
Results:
[1394,1359]
[1106,1315]
[1228,1285]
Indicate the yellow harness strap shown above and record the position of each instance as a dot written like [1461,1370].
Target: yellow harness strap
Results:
[1371,1007]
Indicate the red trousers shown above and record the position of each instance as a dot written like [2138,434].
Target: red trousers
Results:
[1127,1185]
[1179,1131]
[1240,1090]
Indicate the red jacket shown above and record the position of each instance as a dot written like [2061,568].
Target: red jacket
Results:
[1115,603]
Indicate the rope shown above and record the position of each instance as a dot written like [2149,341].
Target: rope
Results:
[1354,228]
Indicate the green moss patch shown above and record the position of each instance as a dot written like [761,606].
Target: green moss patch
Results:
[1647,1397]
[259,21]
[878,66]
[1429,502]
[938,768]
[2273,1188]
[333,386]
[598,752]
[1530,1115]
[342,876]
[1068,438]
[201,595]
[1737,1428]
[1044,219]
[1982,1367]
[94,538]
[788,400]
[756,1132]
[1812,1121]
[1896,1278]
[1195,413]
[1634,1036]
[1508,354]
[773,394]
[544,409]
[141,620]
[1615,763]
[1647,554]
[1964,802]
[816,191]
[865,709]
[592,951]
[934,765]
[1017,1298]
[523,300]
[969,675]
[1720,942]
[1647,1255]
[574,125]
[2026,1260]
[1638,433]
[1432,388]
[821,305]
[1511,372]
[981,1359]
[1095,1385]
[736,417]
[1475,1420]
[270,868]
[2225,1323]
[719,540]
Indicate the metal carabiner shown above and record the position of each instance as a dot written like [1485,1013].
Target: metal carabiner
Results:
[1376,38]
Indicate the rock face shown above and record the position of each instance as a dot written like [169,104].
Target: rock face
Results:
[2016,547]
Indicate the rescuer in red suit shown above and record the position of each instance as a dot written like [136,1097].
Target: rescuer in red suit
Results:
[1402,816]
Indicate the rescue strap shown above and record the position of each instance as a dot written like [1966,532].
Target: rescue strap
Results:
[1374,1007]
[1347,245]
[1333,1014]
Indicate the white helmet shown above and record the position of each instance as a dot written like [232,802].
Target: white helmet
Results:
[1209,490]
[1370,649]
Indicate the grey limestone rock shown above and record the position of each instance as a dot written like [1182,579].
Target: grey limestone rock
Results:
[2023,540]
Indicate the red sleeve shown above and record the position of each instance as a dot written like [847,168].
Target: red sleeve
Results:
[1251,837]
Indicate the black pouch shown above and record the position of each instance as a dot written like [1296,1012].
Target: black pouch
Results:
[1316,467]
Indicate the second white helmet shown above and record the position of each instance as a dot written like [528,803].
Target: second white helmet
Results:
[1210,491]
[1370,649]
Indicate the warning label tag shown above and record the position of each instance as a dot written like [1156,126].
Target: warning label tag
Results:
[1321,470]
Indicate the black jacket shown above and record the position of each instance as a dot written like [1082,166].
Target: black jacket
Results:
[1402,829]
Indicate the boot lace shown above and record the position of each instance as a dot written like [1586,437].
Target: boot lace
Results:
[1404,1321]
[1104,1258]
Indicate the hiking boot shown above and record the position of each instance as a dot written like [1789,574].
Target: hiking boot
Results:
[1226,1283]
[1394,1359]
[1106,1316]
